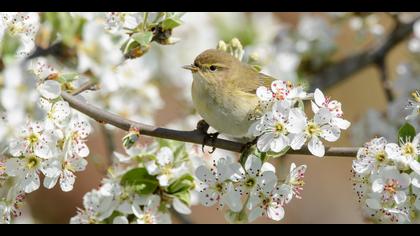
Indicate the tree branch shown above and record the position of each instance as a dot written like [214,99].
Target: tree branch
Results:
[340,70]
[383,71]
[193,136]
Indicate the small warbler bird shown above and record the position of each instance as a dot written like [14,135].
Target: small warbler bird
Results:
[224,92]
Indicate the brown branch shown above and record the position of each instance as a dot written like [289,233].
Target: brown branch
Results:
[193,136]
[340,70]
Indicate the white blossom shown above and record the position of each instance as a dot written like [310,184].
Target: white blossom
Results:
[164,167]
[215,188]
[313,130]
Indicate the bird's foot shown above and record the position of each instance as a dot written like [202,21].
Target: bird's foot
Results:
[203,127]
[210,138]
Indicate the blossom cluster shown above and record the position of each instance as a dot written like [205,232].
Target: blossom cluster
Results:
[142,187]
[386,179]
[22,26]
[249,191]
[53,144]
[284,123]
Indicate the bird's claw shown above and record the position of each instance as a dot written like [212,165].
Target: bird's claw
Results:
[203,127]
[210,138]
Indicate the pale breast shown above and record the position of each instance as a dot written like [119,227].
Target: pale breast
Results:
[227,113]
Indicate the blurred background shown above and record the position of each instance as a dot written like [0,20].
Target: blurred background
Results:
[291,46]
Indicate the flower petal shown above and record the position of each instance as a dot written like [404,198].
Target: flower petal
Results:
[50,182]
[400,197]
[67,181]
[330,133]
[279,143]
[298,141]
[120,220]
[297,121]
[264,142]
[323,116]
[316,147]
[264,93]
[31,182]
[50,89]
[205,175]
[340,123]
[232,198]
[252,165]
[275,212]
[165,156]
[180,207]
[319,98]
[208,197]
[255,213]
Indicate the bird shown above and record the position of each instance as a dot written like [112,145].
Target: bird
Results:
[224,92]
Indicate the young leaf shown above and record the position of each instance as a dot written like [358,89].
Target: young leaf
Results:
[183,184]
[406,132]
[140,180]
[170,23]
[143,38]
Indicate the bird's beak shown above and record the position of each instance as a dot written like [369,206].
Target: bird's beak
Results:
[192,68]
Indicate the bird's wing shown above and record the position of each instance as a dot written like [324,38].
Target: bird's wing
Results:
[254,81]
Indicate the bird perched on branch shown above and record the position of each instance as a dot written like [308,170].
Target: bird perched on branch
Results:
[224,92]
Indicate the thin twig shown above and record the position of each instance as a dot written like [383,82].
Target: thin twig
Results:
[341,70]
[86,86]
[193,136]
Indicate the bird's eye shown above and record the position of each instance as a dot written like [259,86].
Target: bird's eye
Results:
[213,68]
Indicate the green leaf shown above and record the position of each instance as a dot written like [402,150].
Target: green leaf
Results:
[170,23]
[180,152]
[184,197]
[143,38]
[183,184]
[68,77]
[406,132]
[140,180]
[9,46]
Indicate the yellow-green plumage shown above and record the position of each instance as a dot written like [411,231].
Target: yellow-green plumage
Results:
[223,91]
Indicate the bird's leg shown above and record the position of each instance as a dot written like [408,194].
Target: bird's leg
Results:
[203,127]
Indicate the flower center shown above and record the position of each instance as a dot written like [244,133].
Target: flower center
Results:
[32,138]
[32,162]
[298,182]
[266,202]
[380,156]
[408,149]
[166,169]
[313,129]
[279,127]
[148,218]
[219,187]
[250,183]
[392,186]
